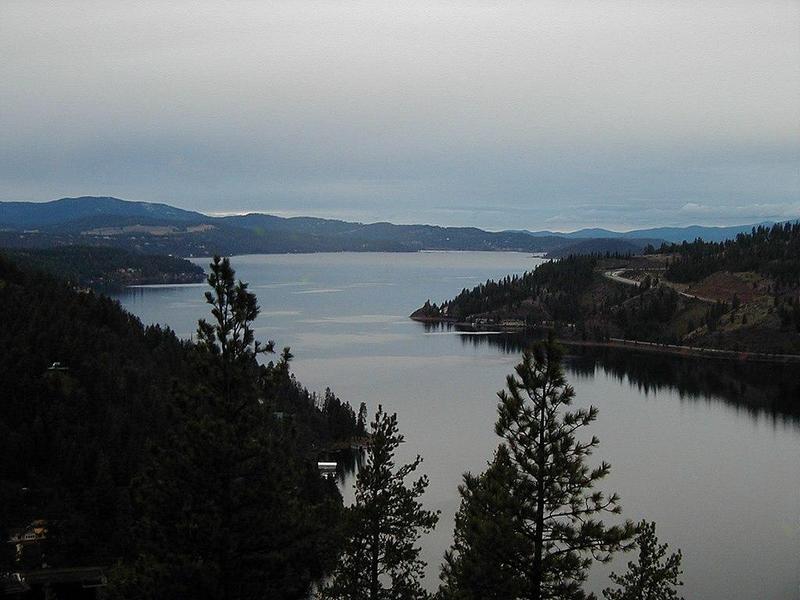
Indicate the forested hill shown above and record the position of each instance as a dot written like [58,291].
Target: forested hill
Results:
[106,268]
[116,438]
[163,229]
[742,295]
[771,251]
[550,292]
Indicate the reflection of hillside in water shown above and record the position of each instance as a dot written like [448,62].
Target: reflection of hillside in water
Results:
[756,387]
[348,462]
[773,389]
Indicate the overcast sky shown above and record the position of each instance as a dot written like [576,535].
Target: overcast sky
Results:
[495,114]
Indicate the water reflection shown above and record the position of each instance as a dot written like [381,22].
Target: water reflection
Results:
[348,462]
[758,388]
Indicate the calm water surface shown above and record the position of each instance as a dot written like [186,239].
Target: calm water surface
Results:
[710,451]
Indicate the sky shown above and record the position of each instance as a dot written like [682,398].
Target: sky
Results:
[501,115]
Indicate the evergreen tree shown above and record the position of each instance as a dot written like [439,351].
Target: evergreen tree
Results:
[384,525]
[361,424]
[228,341]
[226,509]
[488,538]
[539,489]
[654,577]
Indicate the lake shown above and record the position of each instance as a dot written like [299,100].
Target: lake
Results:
[710,450]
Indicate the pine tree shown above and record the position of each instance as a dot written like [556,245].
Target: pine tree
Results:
[361,424]
[654,577]
[228,341]
[384,525]
[225,508]
[538,493]
[488,537]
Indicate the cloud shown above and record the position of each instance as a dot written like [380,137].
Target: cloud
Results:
[772,211]
[693,208]
[489,114]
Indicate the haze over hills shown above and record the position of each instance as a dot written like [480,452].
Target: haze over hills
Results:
[161,228]
[669,234]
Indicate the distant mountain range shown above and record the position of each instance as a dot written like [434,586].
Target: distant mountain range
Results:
[670,234]
[163,229]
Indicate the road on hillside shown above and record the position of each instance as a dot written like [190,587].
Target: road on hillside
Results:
[615,276]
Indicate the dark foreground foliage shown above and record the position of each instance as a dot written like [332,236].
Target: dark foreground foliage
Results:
[189,466]
[381,552]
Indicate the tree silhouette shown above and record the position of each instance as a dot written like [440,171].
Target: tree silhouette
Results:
[228,508]
[540,489]
[654,577]
[381,556]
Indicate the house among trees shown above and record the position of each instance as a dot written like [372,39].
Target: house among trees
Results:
[327,468]
[33,578]
[26,540]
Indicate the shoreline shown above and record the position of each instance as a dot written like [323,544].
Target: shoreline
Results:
[644,346]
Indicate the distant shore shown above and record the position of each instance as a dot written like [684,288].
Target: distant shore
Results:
[644,346]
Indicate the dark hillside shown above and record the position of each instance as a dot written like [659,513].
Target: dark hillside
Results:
[106,268]
[72,437]
[549,292]
[106,427]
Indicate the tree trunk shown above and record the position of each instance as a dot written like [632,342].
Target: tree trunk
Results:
[373,577]
[538,542]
